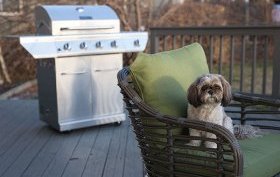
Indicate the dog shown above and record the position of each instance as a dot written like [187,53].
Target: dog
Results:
[207,96]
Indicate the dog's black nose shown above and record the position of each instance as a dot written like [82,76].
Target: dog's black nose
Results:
[210,92]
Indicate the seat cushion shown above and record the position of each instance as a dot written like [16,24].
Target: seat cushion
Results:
[261,156]
[162,79]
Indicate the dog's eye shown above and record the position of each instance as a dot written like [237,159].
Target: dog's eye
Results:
[217,87]
[204,88]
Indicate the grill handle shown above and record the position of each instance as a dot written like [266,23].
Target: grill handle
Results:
[87,28]
[106,70]
[73,73]
[83,72]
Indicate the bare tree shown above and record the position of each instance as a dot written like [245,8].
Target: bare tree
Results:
[4,69]
[138,14]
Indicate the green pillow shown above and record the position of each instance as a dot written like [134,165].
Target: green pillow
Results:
[162,79]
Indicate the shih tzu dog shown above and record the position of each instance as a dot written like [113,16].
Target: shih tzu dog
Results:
[207,96]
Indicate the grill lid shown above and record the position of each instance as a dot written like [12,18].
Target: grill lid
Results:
[70,20]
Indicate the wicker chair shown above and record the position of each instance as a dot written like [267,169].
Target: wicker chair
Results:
[167,154]
[154,90]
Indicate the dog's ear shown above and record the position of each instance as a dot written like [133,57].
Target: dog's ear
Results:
[226,91]
[193,97]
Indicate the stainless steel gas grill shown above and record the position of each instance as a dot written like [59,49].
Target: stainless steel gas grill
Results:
[80,52]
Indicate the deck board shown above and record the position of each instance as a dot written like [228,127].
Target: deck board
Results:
[43,159]
[116,155]
[81,153]
[28,154]
[98,156]
[11,118]
[132,157]
[12,134]
[30,148]
[11,155]
[60,161]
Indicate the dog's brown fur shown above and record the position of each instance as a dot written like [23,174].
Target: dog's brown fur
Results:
[207,96]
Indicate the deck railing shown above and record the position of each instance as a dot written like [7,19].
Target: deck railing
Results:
[249,56]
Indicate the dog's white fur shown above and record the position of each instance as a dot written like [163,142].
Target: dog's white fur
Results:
[207,96]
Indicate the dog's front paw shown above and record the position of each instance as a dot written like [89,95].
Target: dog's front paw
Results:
[194,143]
[209,144]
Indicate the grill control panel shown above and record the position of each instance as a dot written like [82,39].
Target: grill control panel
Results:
[96,46]
[65,46]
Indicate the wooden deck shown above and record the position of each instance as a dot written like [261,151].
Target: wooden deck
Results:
[29,148]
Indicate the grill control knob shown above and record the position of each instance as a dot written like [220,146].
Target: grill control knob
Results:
[83,45]
[114,44]
[98,44]
[80,9]
[136,43]
[67,46]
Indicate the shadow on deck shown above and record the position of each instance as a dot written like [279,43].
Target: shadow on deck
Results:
[28,147]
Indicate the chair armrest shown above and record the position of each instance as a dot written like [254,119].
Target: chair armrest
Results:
[256,105]
[256,99]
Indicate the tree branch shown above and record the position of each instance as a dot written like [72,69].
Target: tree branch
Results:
[122,15]
[138,14]
[4,68]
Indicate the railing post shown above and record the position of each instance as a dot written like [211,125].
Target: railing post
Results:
[276,68]
[154,41]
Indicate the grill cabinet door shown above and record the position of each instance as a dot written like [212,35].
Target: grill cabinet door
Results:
[74,92]
[107,99]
